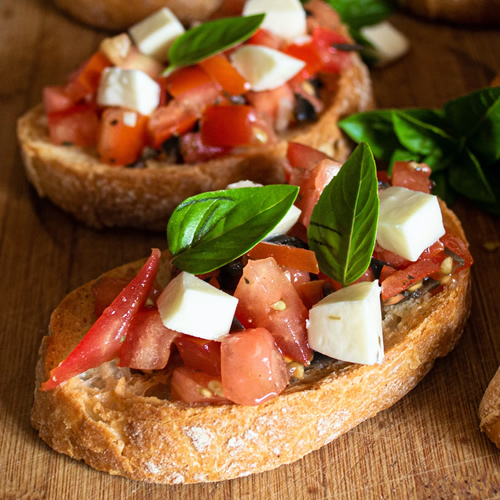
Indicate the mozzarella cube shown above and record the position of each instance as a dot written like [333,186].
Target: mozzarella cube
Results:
[286,18]
[347,324]
[409,221]
[388,43]
[288,221]
[156,33]
[190,305]
[265,68]
[128,88]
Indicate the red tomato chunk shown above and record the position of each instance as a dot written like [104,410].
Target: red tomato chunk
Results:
[190,386]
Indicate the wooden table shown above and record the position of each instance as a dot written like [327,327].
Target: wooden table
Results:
[426,446]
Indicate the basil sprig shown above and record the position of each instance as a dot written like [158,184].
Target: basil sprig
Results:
[210,38]
[362,12]
[343,224]
[212,229]
[460,142]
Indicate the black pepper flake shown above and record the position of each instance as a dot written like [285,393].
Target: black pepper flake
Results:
[114,122]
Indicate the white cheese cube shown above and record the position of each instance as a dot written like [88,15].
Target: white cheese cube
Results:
[128,88]
[388,43]
[192,306]
[265,68]
[285,18]
[347,324]
[409,221]
[288,221]
[156,33]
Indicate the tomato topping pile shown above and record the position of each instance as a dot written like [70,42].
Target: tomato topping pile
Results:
[276,284]
[205,110]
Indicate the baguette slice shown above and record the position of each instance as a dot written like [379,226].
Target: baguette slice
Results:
[100,195]
[489,410]
[123,423]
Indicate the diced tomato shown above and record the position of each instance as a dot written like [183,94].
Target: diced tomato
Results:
[404,278]
[454,243]
[311,292]
[296,276]
[267,299]
[266,38]
[412,175]
[104,339]
[302,156]
[286,255]
[385,272]
[135,59]
[105,290]
[187,79]
[85,79]
[231,126]
[199,354]
[181,114]
[148,341]
[225,74]
[334,60]
[276,105]
[78,126]
[390,258]
[193,150]
[308,53]
[122,136]
[56,99]
[368,275]
[312,186]
[320,13]
[383,176]
[192,387]
[253,370]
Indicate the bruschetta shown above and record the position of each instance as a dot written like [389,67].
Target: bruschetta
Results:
[241,369]
[121,143]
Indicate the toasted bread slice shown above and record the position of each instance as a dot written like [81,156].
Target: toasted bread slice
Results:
[122,421]
[489,410]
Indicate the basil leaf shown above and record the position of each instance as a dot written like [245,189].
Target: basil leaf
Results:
[343,224]
[476,117]
[210,38]
[374,127]
[212,229]
[402,154]
[362,12]
[468,178]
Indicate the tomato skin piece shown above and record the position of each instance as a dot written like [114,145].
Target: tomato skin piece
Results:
[302,156]
[311,292]
[199,354]
[85,79]
[454,243]
[266,38]
[148,341]
[119,143]
[105,290]
[190,386]
[185,79]
[412,175]
[334,60]
[102,342]
[285,255]
[225,74]
[56,99]
[78,126]
[308,53]
[267,299]
[253,369]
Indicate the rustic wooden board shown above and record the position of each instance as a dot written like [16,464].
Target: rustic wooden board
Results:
[428,445]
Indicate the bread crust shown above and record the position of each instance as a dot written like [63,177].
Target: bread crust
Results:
[100,195]
[104,418]
[489,410]
[457,11]
[119,15]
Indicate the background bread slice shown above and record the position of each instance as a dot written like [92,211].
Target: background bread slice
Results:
[489,410]
[458,11]
[120,422]
[103,196]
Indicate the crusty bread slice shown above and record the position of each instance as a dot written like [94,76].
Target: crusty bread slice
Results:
[122,422]
[489,410]
[100,195]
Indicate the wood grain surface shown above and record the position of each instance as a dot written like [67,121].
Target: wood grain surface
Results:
[427,446]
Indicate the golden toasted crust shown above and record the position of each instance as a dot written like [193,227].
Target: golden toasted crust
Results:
[489,410]
[105,418]
[458,11]
[119,15]
[103,196]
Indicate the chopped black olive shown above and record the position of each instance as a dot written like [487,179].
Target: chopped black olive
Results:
[304,111]
[377,266]
[230,274]
[347,47]
[236,326]
[284,239]
[172,150]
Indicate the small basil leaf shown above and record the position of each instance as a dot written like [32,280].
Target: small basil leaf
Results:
[375,128]
[212,229]
[343,224]
[210,38]
[362,12]
[468,178]
[476,117]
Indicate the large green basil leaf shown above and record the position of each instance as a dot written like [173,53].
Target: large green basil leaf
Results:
[212,229]
[361,13]
[343,224]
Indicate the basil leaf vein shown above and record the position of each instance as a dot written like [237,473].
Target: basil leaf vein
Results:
[343,224]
